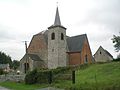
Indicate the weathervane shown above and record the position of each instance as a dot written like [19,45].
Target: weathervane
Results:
[57,4]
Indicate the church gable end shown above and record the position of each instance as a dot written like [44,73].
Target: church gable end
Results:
[79,50]
[86,54]
[37,44]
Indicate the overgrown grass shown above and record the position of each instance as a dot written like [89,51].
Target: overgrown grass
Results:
[96,77]
[92,77]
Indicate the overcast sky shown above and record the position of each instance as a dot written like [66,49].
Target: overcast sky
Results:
[21,19]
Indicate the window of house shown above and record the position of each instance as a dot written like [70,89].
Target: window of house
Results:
[86,59]
[62,36]
[100,52]
[53,36]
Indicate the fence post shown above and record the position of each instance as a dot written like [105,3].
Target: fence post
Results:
[73,77]
[50,77]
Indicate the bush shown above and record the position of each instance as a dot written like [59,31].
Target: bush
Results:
[118,59]
[43,76]
[1,71]
[31,77]
[37,77]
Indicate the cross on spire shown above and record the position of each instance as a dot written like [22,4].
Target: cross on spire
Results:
[57,18]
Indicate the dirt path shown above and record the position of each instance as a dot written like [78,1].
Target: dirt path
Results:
[2,88]
[50,88]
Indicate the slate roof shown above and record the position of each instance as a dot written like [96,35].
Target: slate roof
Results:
[33,57]
[75,43]
[57,18]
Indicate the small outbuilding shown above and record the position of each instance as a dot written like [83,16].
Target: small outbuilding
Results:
[102,55]
[5,67]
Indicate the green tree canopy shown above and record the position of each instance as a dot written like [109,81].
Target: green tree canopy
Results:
[15,64]
[116,41]
[4,59]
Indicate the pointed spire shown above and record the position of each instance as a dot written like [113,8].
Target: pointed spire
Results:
[57,18]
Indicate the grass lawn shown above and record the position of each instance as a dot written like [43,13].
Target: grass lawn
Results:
[94,77]
[21,86]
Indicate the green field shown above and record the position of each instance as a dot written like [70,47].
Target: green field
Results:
[92,77]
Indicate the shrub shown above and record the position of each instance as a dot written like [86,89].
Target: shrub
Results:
[118,59]
[44,76]
[1,71]
[31,77]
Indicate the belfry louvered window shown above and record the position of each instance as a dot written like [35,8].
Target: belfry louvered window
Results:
[53,36]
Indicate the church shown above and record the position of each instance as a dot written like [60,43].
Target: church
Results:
[52,48]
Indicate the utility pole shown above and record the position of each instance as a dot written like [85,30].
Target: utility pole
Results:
[26,52]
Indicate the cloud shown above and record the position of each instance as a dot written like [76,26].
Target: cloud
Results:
[21,19]
[104,14]
[5,34]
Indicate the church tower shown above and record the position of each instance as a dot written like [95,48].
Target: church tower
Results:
[56,44]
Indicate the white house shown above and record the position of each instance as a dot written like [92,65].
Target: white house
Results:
[102,55]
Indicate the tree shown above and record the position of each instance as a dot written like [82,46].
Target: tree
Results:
[4,59]
[116,41]
[15,64]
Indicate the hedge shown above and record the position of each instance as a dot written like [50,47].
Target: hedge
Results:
[43,76]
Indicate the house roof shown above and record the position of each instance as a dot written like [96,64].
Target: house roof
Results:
[33,57]
[75,43]
[104,51]
[57,22]
[108,53]
[57,18]
[44,34]
[2,66]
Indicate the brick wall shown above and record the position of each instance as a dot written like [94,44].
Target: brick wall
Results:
[77,58]
[86,51]
[38,46]
[37,43]
[74,58]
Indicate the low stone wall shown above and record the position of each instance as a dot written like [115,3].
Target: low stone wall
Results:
[12,78]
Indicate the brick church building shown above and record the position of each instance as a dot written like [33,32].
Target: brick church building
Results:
[53,48]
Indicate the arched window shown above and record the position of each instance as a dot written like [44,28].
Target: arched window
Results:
[53,36]
[62,36]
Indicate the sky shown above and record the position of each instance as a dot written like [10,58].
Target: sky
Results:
[21,19]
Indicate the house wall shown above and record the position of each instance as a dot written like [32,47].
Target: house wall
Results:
[102,57]
[38,46]
[23,61]
[86,51]
[39,64]
[74,58]
[77,58]
[56,48]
